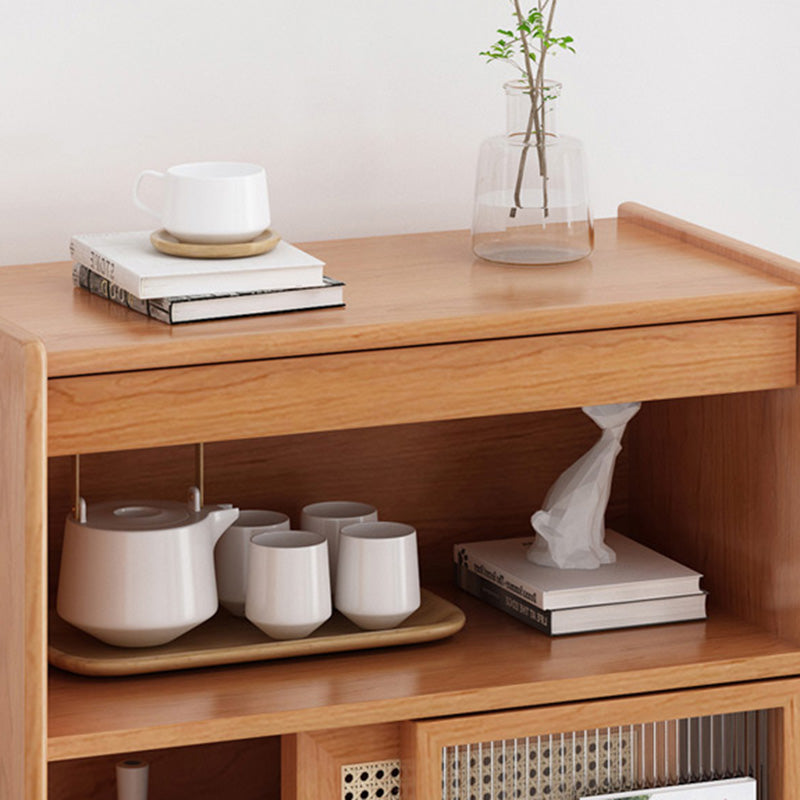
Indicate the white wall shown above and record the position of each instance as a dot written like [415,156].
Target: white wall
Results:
[368,114]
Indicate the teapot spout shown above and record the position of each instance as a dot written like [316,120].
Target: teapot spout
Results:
[220,519]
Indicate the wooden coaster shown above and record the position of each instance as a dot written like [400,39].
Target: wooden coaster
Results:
[167,243]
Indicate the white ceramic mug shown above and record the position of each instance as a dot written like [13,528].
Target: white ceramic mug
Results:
[329,518]
[377,579]
[288,588]
[211,202]
[232,554]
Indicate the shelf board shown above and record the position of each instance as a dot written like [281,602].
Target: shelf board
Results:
[494,663]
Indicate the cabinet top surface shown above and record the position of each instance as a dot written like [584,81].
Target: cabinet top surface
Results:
[404,291]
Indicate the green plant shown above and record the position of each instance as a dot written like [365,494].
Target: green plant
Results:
[525,47]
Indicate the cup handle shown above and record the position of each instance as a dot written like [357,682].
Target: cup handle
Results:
[139,204]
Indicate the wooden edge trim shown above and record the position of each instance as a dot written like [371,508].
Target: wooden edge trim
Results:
[290,766]
[734,249]
[421,768]
[539,720]
[23,601]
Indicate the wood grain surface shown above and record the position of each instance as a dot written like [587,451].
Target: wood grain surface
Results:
[404,291]
[437,391]
[311,763]
[422,742]
[473,671]
[454,481]
[245,770]
[722,497]
[734,249]
[23,626]
[124,411]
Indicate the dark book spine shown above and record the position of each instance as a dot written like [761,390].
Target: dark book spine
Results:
[100,286]
[503,600]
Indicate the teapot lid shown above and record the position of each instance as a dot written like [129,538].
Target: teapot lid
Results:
[140,515]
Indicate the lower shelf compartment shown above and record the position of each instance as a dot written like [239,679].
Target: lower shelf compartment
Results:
[242,770]
[226,639]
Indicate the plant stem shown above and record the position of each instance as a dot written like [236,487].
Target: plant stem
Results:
[541,139]
[536,116]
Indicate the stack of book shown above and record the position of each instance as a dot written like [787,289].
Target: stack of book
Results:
[642,587]
[126,269]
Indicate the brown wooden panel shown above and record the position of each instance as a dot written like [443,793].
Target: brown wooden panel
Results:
[457,480]
[363,389]
[22,567]
[246,770]
[422,742]
[713,242]
[311,767]
[410,290]
[714,481]
[459,675]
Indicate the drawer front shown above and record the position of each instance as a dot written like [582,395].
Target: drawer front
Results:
[129,410]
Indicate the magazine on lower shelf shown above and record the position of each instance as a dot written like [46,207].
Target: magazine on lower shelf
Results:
[725,789]
[220,305]
[639,573]
[605,616]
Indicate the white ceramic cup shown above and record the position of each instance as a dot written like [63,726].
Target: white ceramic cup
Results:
[211,202]
[329,518]
[288,587]
[377,579]
[232,554]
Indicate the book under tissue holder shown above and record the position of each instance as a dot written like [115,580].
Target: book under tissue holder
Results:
[570,527]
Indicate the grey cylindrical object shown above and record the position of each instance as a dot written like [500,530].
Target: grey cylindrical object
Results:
[132,779]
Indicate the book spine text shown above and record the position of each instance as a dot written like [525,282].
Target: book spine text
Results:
[499,578]
[99,285]
[503,600]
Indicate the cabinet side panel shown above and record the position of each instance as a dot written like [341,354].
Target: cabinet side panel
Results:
[715,485]
[312,764]
[22,568]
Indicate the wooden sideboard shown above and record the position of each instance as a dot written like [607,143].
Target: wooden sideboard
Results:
[447,393]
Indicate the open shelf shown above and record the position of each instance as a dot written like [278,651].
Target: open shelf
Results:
[494,663]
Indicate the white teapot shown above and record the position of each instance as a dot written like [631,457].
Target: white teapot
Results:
[141,573]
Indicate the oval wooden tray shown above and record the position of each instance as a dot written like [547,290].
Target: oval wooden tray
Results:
[226,639]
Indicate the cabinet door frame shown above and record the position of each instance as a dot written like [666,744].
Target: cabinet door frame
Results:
[422,742]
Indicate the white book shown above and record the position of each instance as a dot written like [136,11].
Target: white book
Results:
[639,573]
[199,307]
[582,619]
[131,262]
[726,789]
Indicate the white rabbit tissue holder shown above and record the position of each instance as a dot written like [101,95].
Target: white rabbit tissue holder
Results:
[570,527]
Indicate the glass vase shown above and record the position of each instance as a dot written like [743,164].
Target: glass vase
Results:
[531,194]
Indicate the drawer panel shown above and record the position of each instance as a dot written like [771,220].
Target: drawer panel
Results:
[129,410]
